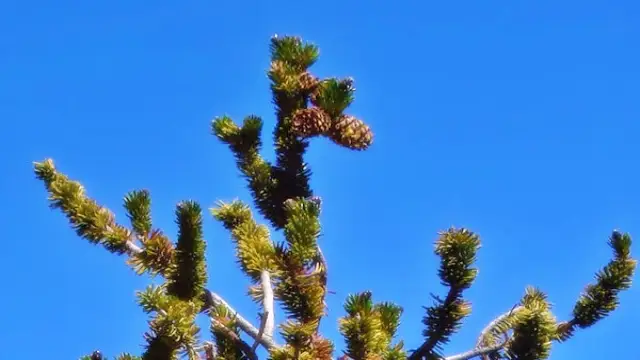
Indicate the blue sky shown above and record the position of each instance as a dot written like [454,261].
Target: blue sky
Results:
[516,119]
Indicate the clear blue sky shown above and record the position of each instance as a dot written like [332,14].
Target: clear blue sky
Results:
[516,119]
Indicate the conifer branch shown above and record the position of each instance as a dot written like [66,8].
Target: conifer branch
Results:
[97,224]
[245,143]
[369,328]
[301,282]
[215,299]
[256,255]
[440,330]
[173,327]
[601,298]
[457,249]
[290,59]
[534,329]
[188,274]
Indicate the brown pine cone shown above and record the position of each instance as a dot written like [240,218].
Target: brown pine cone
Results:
[351,133]
[308,83]
[310,122]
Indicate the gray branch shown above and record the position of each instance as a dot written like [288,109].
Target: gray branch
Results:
[492,324]
[267,303]
[244,324]
[267,321]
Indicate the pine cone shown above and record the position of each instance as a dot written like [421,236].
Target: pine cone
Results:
[96,355]
[308,83]
[310,122]
[351,133]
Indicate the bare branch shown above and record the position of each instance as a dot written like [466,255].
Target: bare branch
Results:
[244,324]
[476,352]
[267,321]
[133,248]
[487,329]
[267,303]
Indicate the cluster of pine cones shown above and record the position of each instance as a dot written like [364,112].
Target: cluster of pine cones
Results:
[345,130]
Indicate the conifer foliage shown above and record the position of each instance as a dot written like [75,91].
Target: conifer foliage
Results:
[293,273]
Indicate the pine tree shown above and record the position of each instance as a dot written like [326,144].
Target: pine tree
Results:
[294,271]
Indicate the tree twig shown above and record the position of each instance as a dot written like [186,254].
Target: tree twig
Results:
[246,349]
[476,352]
[493,323]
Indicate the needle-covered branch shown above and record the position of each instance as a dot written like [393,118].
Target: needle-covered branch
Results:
[173,326]
[182,265]
[532,325]
[601,298]
[534,328]
[187,275]
[244,141]
[369,328]
[301,284]
[457,249]
[300,280]
[90,220]
[254,249]
[293,87]
[225,330]
[138,206]
[256,255]
[306,107]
